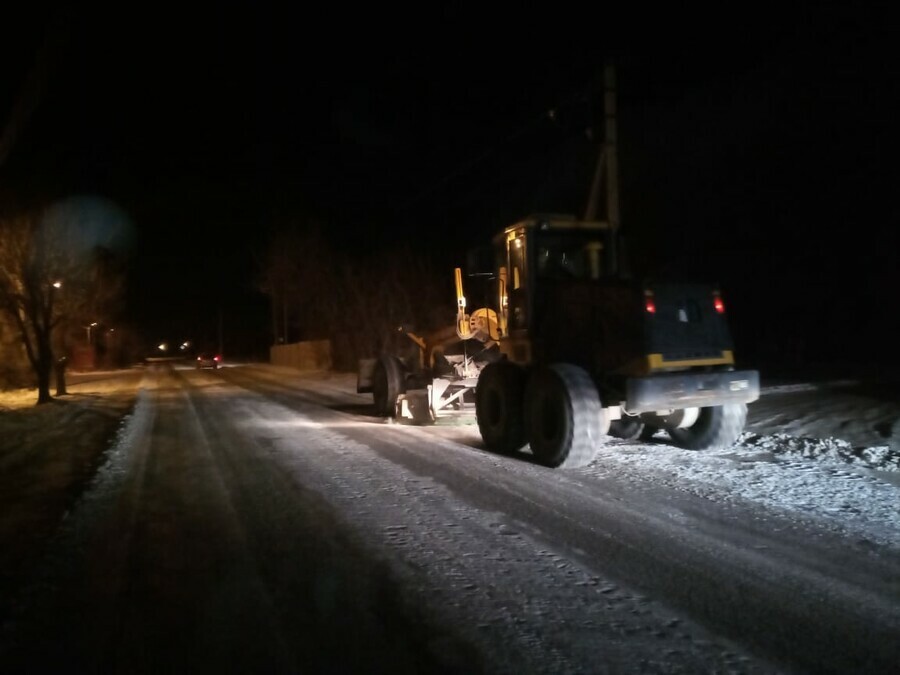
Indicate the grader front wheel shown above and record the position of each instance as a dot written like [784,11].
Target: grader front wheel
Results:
[498,406]
[388,382]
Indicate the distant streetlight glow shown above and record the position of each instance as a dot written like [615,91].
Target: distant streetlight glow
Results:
[57,284]
[162,346]
[88,329]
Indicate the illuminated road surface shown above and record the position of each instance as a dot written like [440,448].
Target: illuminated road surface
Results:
[256,520]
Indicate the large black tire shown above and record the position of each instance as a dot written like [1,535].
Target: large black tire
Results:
[498,406]
[716,427]
[388,382]
[565,419]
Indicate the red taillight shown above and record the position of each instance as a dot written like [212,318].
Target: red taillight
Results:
[649,304]
[215,358]
[718,304]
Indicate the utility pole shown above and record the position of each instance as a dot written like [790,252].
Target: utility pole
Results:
[607,167]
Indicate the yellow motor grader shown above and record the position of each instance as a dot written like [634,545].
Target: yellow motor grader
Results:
[569,349]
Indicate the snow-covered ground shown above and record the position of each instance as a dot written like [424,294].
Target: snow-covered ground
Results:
[828,449]
[822,452]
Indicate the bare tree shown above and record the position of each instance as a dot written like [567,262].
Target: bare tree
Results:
[30,271]
[375,295]
[356,301]
[46,283]
[297,273]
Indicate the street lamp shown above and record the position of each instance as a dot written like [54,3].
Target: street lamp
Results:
[88,329]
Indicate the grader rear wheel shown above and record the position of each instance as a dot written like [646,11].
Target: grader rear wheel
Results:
[716,427]
[565,419]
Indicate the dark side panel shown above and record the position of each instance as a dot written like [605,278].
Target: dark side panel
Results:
[596,325]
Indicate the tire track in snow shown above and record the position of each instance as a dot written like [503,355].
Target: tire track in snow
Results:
[527,607]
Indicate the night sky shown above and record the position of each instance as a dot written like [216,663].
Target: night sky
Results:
[757,151]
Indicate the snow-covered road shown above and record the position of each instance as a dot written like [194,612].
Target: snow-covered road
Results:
[259,513]
[704,533]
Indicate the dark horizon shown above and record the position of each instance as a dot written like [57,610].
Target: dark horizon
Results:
[756,156]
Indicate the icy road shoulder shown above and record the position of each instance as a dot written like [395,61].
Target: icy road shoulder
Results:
[827,452]
[819,452]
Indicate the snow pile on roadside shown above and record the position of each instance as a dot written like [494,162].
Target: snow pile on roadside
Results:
[803,476]
[882,457]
